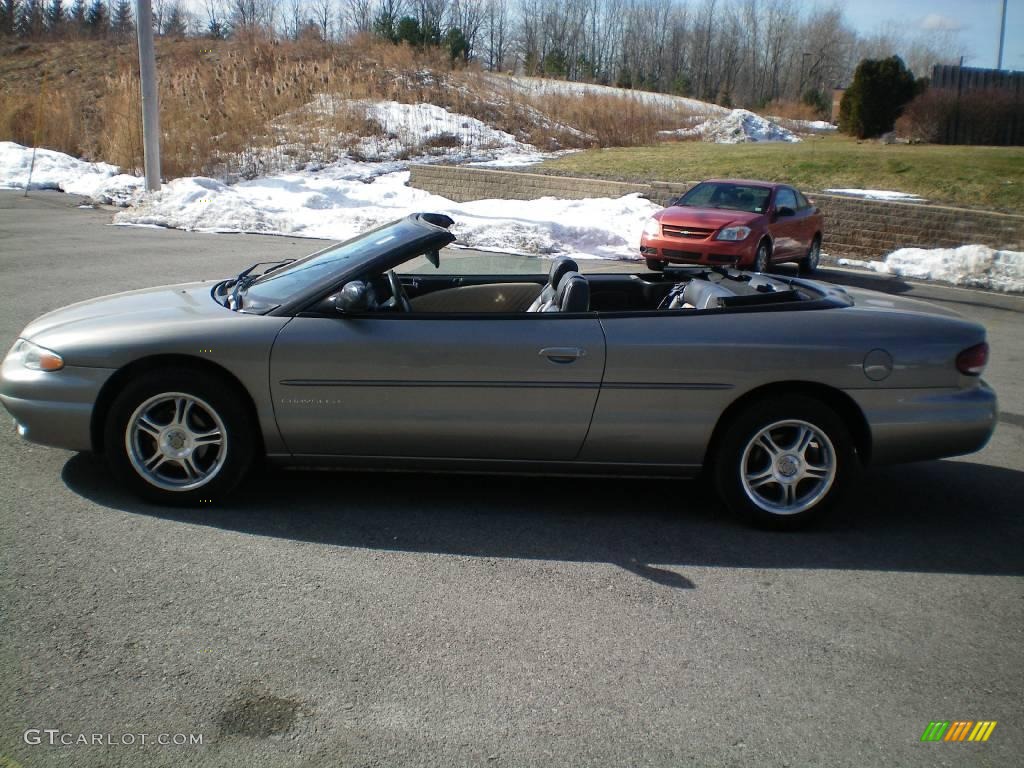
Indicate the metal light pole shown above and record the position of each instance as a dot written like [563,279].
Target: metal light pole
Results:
[1002,37]
[150,100]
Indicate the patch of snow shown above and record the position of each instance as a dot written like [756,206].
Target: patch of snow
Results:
[540,86]
[805,126]
[737,127]
[878,194]
[55,170]
[970,266]
[322,205]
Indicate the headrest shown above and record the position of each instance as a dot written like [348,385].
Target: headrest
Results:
[559,267]
[573,293]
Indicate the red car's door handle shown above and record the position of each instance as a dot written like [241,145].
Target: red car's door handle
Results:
[563,354]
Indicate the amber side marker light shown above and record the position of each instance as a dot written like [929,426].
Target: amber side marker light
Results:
[36,358]
[972,361]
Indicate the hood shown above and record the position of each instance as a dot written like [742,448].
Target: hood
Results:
[706,218]
[132,309]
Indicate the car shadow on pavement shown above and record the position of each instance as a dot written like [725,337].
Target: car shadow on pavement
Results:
[939,516]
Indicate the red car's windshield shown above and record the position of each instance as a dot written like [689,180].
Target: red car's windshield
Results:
[734,197]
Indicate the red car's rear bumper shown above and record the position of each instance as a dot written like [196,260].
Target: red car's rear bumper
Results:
[706,251]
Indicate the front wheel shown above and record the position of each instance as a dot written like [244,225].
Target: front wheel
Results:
[784,461]
[178,437]
[656,265]
[761,259]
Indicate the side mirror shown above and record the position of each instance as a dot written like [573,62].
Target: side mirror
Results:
[354,297]
[784,211]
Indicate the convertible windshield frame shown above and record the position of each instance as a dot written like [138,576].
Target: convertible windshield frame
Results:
[379,249]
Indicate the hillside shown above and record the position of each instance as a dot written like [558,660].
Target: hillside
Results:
[231,109]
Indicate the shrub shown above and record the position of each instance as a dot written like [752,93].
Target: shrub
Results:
[880,89]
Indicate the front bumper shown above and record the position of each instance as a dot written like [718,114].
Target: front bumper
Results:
[699,251]
[921,424]
[53,408]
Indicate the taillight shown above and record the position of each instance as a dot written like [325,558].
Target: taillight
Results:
[972,361]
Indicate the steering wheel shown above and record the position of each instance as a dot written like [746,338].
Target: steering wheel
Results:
[398,293]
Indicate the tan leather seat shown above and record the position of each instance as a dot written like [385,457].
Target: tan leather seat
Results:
[492,297]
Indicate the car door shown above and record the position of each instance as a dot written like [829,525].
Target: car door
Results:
[415,385]
[785,229]
[806,214]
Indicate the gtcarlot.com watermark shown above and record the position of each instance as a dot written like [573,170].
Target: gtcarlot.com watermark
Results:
[55,737]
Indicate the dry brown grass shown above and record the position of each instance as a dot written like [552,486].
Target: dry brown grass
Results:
[790,110]
[230,107]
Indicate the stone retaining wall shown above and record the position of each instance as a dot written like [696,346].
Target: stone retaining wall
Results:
[864,229]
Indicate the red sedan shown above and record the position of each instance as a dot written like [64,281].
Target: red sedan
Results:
[751,224]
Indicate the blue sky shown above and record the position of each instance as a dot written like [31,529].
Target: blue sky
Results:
[976,22]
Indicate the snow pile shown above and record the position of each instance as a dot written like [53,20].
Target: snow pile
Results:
[422,132]
[878,194]
[337,205]
[971,266]
[737,127]
[55,170]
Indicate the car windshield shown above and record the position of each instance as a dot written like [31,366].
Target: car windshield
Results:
[734,197]
[278,286]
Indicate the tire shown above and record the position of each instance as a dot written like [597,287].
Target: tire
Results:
[762,259]
[656,265]
[799,484]
[809,263]
[179,437]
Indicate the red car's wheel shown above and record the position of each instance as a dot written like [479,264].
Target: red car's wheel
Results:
[809,263]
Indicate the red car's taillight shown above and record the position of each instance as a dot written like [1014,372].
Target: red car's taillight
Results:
[972,361]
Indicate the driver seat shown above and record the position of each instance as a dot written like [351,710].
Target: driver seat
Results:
[548,299]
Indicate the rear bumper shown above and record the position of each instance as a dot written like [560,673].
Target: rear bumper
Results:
[920,424]
[684,251]
[54,408]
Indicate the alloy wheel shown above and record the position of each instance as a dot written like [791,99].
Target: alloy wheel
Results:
[176,441]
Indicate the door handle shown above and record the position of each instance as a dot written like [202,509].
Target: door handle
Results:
[563,354]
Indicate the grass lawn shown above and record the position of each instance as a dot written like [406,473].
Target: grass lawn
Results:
[988,177]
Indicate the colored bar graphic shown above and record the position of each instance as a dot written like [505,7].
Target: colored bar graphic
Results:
[982,730]
[958,730]
[935,730]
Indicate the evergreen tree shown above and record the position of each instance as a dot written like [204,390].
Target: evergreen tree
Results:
[8,16]
[122,23]
[30,22]
[97,19]
[878,93]
[175,23]
[457,45]
[54,18]
[408,31]
[75,19]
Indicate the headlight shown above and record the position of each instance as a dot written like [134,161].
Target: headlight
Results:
[733,233]
[34,357]
[653,228]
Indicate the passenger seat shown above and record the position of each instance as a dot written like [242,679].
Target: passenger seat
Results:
[548,299]
[573,293]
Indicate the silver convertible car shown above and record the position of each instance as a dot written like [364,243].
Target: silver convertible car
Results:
[779,389]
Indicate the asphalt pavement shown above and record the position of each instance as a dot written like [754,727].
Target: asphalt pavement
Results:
[357,619]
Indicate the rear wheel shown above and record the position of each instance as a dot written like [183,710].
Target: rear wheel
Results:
[761,258]
[784,461]
[179,437]
[809,263]
[656,265]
